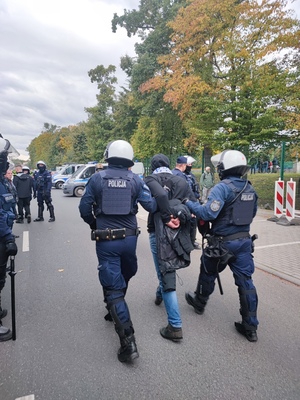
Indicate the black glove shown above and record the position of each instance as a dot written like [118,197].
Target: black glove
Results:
[11,248]
[93,225]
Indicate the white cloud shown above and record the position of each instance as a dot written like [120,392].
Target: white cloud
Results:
[47,49]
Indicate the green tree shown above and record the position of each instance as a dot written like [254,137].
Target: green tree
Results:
[100,124]
[230,73]
[153,121]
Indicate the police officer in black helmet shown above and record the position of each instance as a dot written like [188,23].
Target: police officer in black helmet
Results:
[8,246]
[231,207]
[109,205]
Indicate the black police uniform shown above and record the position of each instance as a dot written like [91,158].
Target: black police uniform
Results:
[111,196]
[231,207]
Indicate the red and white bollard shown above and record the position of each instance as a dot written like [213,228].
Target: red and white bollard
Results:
[290,199]
[279,196]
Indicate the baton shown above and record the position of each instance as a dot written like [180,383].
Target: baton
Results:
[219,283]
[12,274]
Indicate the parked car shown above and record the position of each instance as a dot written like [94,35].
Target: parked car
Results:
[59,178]
[75,185]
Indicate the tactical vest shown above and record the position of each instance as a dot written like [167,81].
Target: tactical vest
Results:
[7,203]
[240,210]
[117,192]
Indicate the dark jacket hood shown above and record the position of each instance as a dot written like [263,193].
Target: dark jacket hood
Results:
[159,160]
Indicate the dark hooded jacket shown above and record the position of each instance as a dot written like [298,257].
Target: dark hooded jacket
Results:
[173,245]
[24,185]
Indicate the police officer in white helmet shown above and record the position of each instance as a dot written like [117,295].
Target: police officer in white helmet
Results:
[231,207]
[109,206]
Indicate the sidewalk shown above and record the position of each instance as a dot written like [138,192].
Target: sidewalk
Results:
[277,249]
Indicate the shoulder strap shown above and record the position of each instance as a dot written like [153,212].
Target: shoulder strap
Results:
[234,189]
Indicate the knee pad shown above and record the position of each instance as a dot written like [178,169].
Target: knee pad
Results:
[169,281]
[247,303]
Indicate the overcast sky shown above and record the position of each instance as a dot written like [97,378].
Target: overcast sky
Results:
[47,49]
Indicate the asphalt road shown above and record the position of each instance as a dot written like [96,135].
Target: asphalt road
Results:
[66,350]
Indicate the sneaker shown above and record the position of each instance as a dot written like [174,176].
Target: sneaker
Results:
[51,219]
[171,333]
[128,350]
[193,301]
[250,334]
[158,300]
[5,333]
[20,221]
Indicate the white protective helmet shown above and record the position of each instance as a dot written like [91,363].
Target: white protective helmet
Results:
[41,162]
[230,162]
[119,152]
[190,160]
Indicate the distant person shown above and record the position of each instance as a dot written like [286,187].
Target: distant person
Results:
[18,169]
[42,191]
[11,187]
[25,187]
[192,181]
[206,184]
[274,164]
[180,167]
[230,209]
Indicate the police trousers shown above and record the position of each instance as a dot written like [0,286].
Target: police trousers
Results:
[117,265]
[242,267]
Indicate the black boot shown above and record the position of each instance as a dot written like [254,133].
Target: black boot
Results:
[246,330]
[28,218]
[20,220]
[51,211]
[128,350]
[196,301]
[40,215]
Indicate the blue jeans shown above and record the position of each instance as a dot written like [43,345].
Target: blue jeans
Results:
[169,298]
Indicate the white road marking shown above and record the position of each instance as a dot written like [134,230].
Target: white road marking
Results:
[25,242]
[275,245]
[29,397]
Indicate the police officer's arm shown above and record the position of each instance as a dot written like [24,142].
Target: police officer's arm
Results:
[145,198]
[86,204]
[210,210]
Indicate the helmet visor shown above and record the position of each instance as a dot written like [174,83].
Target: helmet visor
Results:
[11,150]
